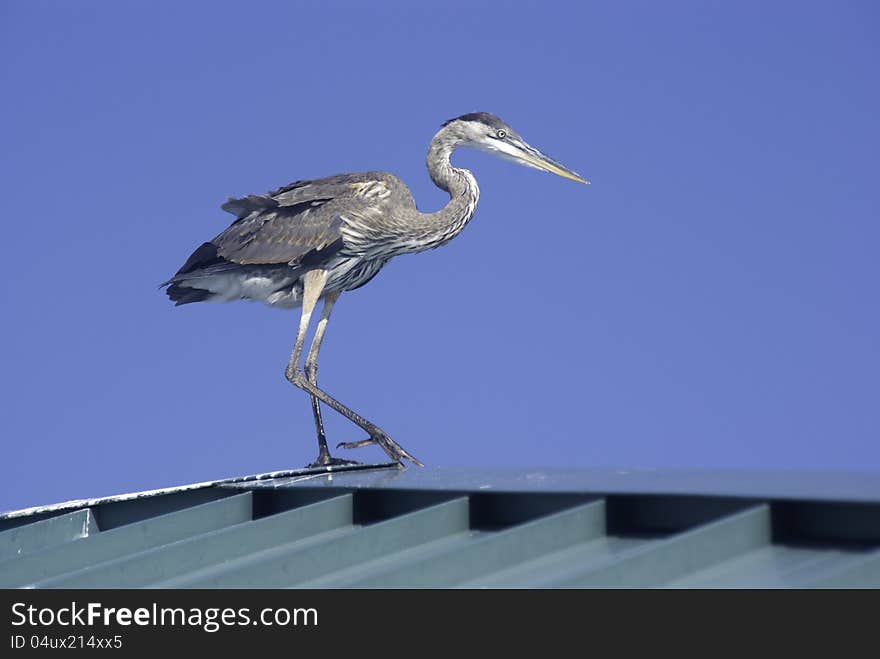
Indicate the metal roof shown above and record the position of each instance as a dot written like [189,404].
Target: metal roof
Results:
[381,526]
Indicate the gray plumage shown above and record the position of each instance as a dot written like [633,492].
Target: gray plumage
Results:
[314,239]
[280,235]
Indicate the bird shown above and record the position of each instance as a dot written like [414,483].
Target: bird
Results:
[315,239]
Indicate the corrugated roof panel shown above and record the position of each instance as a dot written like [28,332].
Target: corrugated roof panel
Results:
[475,553]
[292,564]
[639,558]
[213,547]
[124,540]
[19,541]
[776,566]
[856,572]
[659,560]
[386,528]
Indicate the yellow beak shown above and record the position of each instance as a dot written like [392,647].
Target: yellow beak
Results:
[537,159]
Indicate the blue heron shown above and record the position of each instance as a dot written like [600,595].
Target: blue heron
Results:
[314,239]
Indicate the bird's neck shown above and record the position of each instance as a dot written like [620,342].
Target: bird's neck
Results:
[436,229]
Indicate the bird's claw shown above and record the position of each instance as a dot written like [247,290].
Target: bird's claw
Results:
[392,449]
[329,461]
[360,444]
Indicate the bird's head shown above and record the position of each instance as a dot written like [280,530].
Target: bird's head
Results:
[489,133]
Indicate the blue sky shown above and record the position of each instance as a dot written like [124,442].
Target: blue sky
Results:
[709,302]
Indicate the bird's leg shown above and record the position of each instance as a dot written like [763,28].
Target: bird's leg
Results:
[311,370]
[313,286]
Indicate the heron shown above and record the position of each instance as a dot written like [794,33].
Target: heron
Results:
[314,239]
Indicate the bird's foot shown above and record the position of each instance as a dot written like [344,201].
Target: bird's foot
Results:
[329,461]
[392,449]
[360,444]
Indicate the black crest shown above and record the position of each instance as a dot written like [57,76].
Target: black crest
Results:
[482,117]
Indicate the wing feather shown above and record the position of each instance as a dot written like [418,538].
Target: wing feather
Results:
[300,223]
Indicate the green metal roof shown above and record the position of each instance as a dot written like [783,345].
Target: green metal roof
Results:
[380,526]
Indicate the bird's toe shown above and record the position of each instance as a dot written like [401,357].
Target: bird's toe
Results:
[329,461]
[360,444]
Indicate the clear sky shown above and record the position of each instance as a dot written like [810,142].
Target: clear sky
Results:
[711,301]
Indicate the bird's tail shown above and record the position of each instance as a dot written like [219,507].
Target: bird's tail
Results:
[180,294]
[201,264]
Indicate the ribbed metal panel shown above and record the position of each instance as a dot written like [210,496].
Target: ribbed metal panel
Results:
[474,553]
[23,540]
[124,540]
[386,529]
[223,545]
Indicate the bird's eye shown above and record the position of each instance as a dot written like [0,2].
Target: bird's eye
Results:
[501,134]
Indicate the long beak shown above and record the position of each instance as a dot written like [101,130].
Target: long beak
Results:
[529,155]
